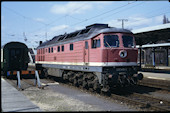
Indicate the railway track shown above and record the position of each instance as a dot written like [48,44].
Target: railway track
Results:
[132,97]
[157,83]
[129,97]
[144,102]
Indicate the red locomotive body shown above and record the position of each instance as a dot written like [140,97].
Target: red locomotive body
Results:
[97,57]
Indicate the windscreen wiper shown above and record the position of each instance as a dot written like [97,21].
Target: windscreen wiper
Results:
[108,45]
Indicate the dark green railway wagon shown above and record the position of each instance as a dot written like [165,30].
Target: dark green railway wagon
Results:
[14,57]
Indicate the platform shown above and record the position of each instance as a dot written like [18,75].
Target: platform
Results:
[14,101]
[156,75]
[161,69]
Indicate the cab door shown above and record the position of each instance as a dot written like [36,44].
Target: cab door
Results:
[86,54]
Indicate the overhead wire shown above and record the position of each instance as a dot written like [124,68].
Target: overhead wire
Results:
[124,10]
[149,13]
[101,14]
[132,7]
[85,20]
[150,17]
[67,14]
[96,16]
[26,17]
[106,17]
[70,15]
[60,18]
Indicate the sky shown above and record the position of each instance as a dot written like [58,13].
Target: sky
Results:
[30,22]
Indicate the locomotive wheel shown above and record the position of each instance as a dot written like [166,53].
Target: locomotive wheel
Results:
[132,81]
[106,90]
[45,74]
[85,84]
[71,77]
[90,83]
[135,80]
[106,85]
[80,79]
[90,78]
[96,85]
[87,81]
[64,78]
[93,83]
[75,81]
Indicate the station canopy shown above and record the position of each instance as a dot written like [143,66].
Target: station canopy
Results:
[152,35]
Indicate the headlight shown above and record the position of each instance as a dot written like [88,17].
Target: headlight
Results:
[123,53]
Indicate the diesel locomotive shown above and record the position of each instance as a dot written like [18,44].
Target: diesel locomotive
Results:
[98,57]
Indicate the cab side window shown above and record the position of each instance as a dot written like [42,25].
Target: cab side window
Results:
[48,50]
[58,48]
[62,48]
[96,43]
[52,50]
[71,47]
[86,45]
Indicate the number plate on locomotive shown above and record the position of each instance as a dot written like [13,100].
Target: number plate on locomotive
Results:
[121,69]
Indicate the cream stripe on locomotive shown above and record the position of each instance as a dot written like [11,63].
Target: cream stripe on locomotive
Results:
[92,63]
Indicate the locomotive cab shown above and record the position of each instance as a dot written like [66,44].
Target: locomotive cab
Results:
[120,48]
[119,57]
[115,49]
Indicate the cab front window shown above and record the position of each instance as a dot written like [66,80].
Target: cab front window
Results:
[111,41]
[128,41]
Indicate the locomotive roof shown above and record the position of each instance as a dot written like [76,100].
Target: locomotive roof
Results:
[84,34]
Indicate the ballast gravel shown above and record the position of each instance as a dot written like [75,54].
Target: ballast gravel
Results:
[60,97]
[49,100]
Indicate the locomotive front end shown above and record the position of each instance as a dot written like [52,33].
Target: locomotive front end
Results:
[120,53]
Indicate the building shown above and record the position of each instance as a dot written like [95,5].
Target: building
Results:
[154,46]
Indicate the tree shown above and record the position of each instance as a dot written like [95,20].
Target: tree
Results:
[165,20]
